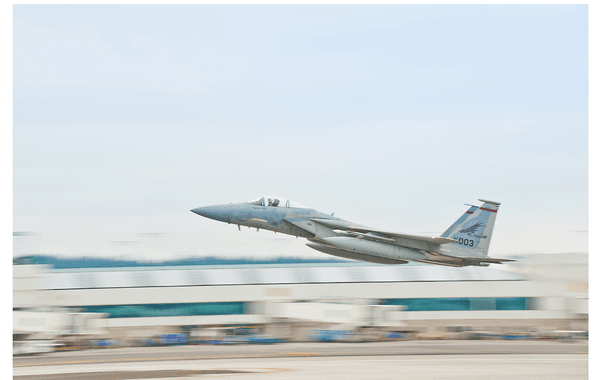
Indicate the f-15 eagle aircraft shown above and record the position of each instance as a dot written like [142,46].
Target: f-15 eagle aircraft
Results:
[464,243]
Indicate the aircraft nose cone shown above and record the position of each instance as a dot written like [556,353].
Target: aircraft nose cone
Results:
[213,212]
[207,212]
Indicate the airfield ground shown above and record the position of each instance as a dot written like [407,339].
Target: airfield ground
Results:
[413,360]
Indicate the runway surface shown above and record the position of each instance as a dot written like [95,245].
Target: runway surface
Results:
[386,360]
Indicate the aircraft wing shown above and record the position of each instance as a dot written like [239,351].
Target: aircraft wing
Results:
[384,235]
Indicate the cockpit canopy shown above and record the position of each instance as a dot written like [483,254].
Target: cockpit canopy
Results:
[275,202]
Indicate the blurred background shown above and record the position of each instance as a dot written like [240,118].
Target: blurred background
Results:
[126,117]
[542,296]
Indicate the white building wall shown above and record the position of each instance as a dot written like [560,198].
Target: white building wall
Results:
[488,319]
[483,315]
[296,292]
[27,280]
[319,312]
[552,303]
[549,298]
[25,322]
[53,323]
[578,306]
[191,320]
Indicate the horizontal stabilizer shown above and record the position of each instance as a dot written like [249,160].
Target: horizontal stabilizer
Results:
[492,202]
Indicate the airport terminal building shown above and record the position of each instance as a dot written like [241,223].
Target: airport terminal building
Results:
[288,301]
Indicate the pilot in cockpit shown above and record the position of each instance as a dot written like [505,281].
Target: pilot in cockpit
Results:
[273,202]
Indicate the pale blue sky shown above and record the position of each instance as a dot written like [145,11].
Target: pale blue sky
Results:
[126,117]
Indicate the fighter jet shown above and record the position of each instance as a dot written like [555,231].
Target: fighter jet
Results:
[464,243]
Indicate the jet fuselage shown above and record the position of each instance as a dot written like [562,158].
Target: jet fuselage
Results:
[464,243]
[277,219]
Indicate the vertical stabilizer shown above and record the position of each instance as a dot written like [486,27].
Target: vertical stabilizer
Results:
[473,231]
[460,220]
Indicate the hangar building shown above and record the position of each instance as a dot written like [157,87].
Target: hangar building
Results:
[288,300]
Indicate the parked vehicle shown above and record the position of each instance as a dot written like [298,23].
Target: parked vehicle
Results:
[33,347]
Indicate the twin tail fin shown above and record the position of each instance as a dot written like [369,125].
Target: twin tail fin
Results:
[473,230]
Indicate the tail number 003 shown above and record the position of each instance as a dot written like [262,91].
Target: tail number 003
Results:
[467,242]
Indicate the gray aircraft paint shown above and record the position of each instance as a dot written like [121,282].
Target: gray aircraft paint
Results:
[353,255]
[364,246]
[470,211]
[477,228]
[464,243]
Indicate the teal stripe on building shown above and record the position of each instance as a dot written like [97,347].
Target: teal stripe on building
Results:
[457,304]
[168,309]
